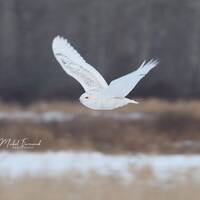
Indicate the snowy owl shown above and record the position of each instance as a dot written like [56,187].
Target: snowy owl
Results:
[98,94]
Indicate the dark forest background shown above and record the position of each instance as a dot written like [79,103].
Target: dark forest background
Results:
[115,36]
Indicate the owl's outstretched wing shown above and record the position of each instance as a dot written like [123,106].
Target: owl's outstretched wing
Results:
[122,86]
[74,65]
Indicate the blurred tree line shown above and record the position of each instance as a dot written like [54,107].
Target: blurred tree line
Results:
[115,36]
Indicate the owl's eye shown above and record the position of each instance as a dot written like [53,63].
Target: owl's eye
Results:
[87,97]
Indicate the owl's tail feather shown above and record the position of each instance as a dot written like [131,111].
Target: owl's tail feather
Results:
[133,101]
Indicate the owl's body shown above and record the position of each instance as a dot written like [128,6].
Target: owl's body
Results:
[97,102]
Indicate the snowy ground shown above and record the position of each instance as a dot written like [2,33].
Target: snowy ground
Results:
[54,116]
[163,167]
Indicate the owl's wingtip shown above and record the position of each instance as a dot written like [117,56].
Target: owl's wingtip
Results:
[59,43]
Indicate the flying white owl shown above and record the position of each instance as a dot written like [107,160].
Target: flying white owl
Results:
[98,94]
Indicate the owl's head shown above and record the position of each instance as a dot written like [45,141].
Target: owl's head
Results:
[88,100]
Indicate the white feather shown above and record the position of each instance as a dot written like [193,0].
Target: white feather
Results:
[122,86]
[75,65]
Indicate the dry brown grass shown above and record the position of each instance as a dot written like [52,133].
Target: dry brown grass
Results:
[173,124]
[146,105]
[95,188]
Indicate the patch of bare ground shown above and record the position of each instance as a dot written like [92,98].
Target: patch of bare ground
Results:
[71,187]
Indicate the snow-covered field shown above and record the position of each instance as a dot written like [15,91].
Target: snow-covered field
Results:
[55,116]
[161,167]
